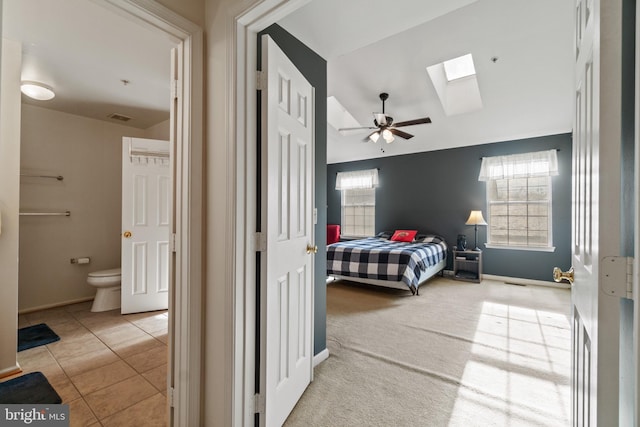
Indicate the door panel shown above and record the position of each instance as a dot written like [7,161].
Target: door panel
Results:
[585,288]
[286,279]
[146,215]
[596,212]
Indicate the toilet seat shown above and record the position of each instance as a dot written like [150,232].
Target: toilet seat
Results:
[105,277]
[106,273]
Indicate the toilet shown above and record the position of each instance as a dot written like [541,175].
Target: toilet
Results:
[107,283]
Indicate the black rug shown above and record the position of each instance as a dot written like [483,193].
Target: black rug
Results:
[34,336]
[33,388]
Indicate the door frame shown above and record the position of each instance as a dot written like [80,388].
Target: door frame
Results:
[246,21]
[636,223]
[186,278]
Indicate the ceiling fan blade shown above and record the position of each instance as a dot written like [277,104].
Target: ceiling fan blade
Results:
[400,133]
[414,122]
[358,128]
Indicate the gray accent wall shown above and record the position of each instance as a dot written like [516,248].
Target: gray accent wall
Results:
[314,68]
[435,191]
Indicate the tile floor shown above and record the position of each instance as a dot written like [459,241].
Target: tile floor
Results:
[111,369]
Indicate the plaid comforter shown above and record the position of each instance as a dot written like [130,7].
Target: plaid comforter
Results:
[382,259]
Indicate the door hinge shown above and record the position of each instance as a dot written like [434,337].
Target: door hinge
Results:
[260,80]
[260,242]
[170,394]
[259,403]
[616,276]
[174,89]
[172,242]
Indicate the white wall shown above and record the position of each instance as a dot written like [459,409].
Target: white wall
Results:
[87,153]
[193,10]
[9,201]
[159,131]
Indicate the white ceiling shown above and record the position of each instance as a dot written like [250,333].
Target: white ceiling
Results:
[84,51]
[527,92]
[372,46]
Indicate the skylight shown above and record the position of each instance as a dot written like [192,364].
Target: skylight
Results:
[459,67]
[456,84]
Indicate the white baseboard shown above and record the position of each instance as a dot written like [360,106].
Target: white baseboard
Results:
[54,305]
[16,369]
[520,281]
[320,357]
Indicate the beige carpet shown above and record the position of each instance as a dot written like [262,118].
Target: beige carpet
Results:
[460,354]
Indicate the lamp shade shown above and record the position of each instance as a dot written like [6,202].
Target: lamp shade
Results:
[388,136]
[475,218]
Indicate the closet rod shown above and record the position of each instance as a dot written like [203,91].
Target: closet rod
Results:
[144,153]
[66,213]
[59,177]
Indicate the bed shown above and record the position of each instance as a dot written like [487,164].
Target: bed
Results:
[384,262]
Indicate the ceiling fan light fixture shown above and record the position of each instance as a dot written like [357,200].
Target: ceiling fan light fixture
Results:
[374,136]
[37,90]
[388,136]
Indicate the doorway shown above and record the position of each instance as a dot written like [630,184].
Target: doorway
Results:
[186,133]
[250,24]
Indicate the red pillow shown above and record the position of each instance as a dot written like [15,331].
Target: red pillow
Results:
[333,233]
[404,235]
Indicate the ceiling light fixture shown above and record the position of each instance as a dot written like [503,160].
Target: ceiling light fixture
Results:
[37,90]
[388,136]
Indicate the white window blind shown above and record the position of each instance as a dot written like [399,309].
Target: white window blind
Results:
[527,165]
[357,179]
[519,199]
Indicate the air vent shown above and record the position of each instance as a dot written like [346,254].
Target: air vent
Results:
[120,117]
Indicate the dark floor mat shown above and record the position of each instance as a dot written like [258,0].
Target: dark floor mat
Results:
[33,388]
[34,336]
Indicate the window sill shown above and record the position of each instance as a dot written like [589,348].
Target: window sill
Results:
[522,248]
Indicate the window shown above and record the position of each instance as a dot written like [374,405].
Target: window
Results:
[459,67]
[358,206]
[519,200]
[359,212]
[456,84]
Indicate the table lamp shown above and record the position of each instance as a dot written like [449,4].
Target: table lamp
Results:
[476,219]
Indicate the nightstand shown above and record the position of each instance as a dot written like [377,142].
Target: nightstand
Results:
[467,265]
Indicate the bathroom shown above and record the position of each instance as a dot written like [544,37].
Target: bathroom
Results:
[111,79]
[87,153]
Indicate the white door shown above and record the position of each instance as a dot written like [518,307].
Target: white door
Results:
[146,215]
[287,264]
[596,213]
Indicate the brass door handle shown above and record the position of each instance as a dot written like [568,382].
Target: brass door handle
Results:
[127,234]
[559,275]
[313,249]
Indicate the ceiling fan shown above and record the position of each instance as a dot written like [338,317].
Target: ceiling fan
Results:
[385,126]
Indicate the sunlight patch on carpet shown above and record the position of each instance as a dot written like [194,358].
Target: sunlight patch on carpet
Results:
[522,353]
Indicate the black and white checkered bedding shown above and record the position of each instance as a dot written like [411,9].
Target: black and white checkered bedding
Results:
[382,259]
